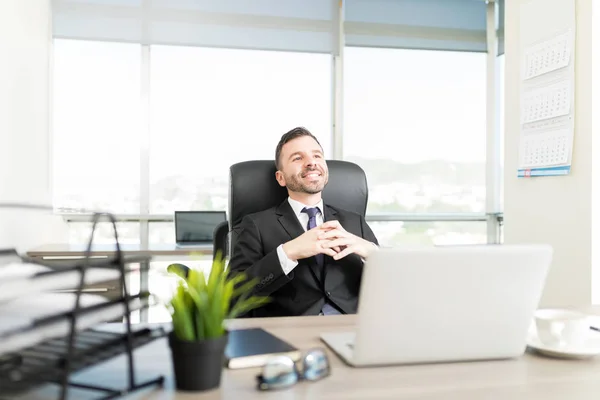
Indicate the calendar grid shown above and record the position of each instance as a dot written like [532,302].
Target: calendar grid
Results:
[548,56]
[545,149]
[547,95]
[547,102]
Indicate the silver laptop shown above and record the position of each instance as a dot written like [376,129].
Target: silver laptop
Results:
[444,304]
[196,228]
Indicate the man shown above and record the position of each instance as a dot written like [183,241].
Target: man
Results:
[307,256]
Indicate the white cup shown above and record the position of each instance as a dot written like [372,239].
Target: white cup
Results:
[562,328]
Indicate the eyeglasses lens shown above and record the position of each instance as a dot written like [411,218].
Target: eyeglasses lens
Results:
[316,365]
[279,372]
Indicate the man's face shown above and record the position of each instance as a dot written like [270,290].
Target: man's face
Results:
[302,166]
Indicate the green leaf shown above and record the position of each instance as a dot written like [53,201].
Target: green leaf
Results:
[182,315]
[228,294]
[216,310]
[200,306]
[245,288]
[215,273]
[201,303]
[200,328]
[179,270]
[250,303]
[197,280]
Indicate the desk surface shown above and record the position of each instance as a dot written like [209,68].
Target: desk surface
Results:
[78,250]
[528,377]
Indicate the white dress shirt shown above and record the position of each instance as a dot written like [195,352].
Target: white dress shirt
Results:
[288,265]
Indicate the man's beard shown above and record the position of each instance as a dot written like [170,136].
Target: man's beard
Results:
[296,183]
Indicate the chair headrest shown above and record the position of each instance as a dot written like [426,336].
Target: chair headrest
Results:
[253,188]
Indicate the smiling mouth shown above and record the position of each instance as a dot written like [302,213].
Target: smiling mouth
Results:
[311,175]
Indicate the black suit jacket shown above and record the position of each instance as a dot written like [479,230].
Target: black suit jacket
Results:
[305,289]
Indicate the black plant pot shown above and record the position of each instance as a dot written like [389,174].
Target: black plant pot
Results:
[197,365]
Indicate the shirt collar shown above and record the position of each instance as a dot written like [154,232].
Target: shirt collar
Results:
[297,206]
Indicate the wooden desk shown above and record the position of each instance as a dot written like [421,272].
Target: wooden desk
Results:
[58,251]
[53,253]
[529,377]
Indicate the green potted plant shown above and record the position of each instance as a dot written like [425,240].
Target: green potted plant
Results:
[198,310]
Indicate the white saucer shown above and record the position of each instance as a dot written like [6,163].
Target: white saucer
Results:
[590,348]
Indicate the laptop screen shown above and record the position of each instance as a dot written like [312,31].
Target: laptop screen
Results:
[197,226]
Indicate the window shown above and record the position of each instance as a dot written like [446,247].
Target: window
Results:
[79,232]
[161,232]
[439,233]
[415,121]
[96,135]
[500,108]
[211,108]
[162,285]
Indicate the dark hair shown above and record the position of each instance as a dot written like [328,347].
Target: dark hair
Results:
[291,135]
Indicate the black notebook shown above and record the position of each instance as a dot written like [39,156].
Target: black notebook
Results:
[248,348]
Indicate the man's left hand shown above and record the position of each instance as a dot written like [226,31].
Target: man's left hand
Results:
[346,242]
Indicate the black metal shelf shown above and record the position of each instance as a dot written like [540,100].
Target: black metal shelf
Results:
[44,362]
[53,361]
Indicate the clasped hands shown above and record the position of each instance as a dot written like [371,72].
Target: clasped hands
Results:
[329,238]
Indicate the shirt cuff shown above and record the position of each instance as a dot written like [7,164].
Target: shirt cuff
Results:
[287,265]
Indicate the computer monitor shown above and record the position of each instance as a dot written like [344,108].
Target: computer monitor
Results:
[196,227]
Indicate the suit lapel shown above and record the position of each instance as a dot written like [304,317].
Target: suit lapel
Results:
[329,213]
[288,220]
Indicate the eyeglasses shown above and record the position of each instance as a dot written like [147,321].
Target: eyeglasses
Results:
[281,371]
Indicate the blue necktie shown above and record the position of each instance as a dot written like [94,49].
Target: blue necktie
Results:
[312,223]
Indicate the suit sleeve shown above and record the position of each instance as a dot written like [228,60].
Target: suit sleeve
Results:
[247,256]
[367,233]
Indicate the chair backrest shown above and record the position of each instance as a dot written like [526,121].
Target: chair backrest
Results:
[220,240]
[253,188]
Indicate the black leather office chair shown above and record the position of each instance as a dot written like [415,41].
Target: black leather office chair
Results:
[253,188]
[221,240]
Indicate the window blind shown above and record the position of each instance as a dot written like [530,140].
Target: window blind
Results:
[295,25]
[291,25]
[417,24]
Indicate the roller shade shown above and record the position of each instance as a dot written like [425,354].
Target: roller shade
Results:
[290,25]
[417,24]
[295,25]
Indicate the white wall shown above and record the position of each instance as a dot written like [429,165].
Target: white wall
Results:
[554,210]
[25,174]
[595,110]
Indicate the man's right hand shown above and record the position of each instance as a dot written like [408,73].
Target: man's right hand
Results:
[307,245]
